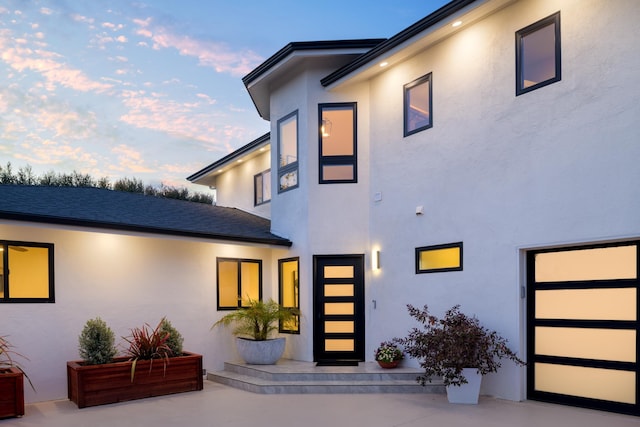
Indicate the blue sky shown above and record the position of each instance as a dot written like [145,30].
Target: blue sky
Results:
[152,89]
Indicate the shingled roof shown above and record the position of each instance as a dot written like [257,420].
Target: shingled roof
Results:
[117,210]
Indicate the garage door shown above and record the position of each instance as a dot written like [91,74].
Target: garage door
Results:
[582,310]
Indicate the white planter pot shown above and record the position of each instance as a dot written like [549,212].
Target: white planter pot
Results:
[466,393]
[260,352]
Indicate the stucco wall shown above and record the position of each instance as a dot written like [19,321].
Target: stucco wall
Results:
[128,281]
[503,173]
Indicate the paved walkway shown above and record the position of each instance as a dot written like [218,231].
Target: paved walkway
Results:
[221,406]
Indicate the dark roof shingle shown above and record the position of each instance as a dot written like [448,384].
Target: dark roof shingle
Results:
[101,208]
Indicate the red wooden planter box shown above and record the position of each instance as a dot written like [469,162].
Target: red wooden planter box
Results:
[91,385]
[11,393]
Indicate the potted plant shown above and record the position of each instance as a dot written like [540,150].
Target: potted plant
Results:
[11,381]
[456,348]
[254,323]
[388,355]
[153,365]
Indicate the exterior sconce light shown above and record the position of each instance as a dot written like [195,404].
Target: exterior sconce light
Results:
[376,260]
[325,129]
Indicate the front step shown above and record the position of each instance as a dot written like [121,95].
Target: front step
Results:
[290,376]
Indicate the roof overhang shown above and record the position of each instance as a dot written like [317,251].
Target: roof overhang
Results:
[207,176]
[420,36]
[294,57]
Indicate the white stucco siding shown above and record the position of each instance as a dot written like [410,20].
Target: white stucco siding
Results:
[503,173]
[235,187]
[127,280]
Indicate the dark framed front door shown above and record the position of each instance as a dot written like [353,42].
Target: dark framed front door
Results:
[338,327]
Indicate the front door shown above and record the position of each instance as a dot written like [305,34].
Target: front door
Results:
[338,328]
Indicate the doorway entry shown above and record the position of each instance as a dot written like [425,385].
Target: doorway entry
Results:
[582,320]
[338,327]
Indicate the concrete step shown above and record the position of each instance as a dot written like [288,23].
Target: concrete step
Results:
[289,376]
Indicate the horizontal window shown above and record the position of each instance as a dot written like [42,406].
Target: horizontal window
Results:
[26,272]
[433,259]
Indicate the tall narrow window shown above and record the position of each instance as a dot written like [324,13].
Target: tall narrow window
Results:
[337,135]
[262,187]
[288,274]
[288,152]
[238,280]
[538,55]
[418,105]
[26,272]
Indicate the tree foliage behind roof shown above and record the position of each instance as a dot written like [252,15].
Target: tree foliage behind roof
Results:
[25,176]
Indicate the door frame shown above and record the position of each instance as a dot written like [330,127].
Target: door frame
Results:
[358,354]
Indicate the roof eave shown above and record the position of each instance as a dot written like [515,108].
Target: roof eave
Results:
[45,219]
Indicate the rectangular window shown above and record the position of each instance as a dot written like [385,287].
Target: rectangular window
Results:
[26,272]
[238,280]
[288,152]
[337,142]
[262,187]
[288,274]
[538,54]
[418,105]
[438,258]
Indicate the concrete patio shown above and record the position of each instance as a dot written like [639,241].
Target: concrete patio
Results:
[220,405]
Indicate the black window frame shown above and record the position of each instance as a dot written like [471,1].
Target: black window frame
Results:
[520,35]
[239,284]
[293,166]
[345,160]
[255,188]
[4,276]
[437,247]
[428,79]
[281,327]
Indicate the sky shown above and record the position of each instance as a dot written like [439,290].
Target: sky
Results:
[153,89]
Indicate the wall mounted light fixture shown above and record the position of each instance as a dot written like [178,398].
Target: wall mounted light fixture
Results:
[376,260]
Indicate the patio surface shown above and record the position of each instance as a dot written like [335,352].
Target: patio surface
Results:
[221,406]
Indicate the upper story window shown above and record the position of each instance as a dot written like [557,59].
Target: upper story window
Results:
[337,142]
[538,54]
[26,272]
[262,187]
[288,152]
[238,280]
[418,105]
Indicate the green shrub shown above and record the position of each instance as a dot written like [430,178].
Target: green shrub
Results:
[175,340]
[97,342]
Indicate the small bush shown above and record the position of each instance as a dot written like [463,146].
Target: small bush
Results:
[97,342]
[175,340]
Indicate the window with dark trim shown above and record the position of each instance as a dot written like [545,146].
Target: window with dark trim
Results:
[26,272]
[418,104]
[262,187]
[288,152]
[538,61]
[237,281]
[439,258]
[289,295]
[338,143]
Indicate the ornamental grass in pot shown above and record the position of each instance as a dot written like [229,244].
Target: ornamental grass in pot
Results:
[448,346]
[255,322]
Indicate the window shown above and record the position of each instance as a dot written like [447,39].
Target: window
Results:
[417,105]
[26,272]
[288,152]
[538,55]
[262,187]
[238,279]
[437,258]
[288,274]
[337,143]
